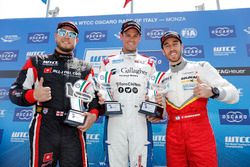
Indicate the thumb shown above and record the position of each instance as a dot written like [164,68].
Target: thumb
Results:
[199,80]
[41,82]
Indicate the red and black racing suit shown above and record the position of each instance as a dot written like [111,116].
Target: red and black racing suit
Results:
[52,140]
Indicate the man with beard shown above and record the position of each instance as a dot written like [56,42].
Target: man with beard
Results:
[42,83]
[189,138]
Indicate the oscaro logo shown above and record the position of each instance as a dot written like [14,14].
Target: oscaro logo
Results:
[222,31]
[23,114]
[95,36]
[156,60]
[234,116]
[154,33]
[8,55]
[41,37]
[193,51]
[4,93]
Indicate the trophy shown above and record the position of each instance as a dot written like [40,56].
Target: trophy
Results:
[80,93]
[155,86]
[103,86]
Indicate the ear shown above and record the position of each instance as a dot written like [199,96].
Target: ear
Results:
[121,36]
[163,52]
[55,35]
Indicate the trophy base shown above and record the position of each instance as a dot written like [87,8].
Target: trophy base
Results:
[151,109]
[112,108]
[75,118]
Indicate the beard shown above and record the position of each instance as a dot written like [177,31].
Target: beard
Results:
[70,49]
[176,59]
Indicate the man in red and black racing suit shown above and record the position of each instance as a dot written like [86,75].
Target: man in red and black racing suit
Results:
[189,138]
[41,83]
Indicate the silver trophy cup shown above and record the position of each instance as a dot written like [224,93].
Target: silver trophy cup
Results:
[80,93]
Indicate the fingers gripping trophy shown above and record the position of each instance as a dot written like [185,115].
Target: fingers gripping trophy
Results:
[104,87]
[156,85]
[80,94]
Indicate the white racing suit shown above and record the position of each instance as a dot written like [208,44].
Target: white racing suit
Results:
[189,137]
[128,135]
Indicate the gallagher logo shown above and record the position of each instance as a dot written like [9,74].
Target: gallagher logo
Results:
[194,51]
[222,31]
[95,36]
[8,55]
[234,116]
[23,114]
[38,37]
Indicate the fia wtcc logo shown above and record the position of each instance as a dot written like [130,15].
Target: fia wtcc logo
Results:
[96,59]
[95,36]
[4,93]
[34,53]
[234,116]
[224,50]
[189,33]
[155,33]
[19,136]
[8,55]
[38,37]
[195,51]
[23,114]
[222,31]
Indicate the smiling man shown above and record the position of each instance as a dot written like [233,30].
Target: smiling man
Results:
[42,83]
[128,133]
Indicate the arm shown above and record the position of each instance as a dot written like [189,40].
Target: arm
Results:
[21,91]
[210,76]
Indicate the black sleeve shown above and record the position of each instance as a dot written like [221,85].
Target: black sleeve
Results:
[21,91]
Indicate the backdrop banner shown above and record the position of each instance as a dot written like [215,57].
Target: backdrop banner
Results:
[221,37]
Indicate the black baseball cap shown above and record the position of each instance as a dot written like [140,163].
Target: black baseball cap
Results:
[69,24]
[130,24]
[169,34]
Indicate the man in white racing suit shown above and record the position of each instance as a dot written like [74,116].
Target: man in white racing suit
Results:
[129,135]
[189,136]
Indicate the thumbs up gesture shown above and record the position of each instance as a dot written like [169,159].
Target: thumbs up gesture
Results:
[41,93]
[202,90]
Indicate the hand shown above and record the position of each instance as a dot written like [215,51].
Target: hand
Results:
[153,119]
[158,99]
[100,97]
[202,90]
[41,93]
[90,119]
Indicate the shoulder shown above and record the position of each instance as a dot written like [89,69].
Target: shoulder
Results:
[147,59]
[109,58]
[199,63]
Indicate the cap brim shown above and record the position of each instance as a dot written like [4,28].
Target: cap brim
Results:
[67,24]
[130,27]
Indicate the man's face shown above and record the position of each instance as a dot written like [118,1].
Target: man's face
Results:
[65,39]
[172,49]
[131,39]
